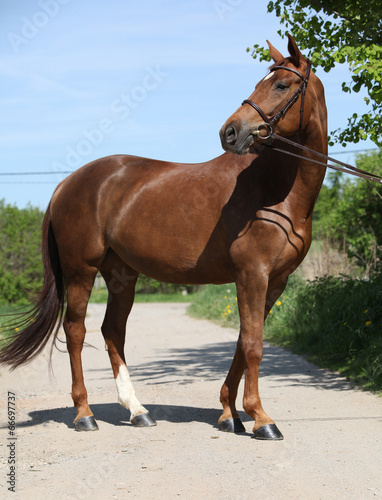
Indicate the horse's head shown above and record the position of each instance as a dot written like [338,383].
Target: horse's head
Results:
[273,107]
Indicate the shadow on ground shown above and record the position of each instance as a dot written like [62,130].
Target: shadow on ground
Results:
[114,414]
[212,362]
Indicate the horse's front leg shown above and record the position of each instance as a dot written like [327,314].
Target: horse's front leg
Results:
[251,297]
[230,420]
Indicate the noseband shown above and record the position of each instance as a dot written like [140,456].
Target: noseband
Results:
[271,122]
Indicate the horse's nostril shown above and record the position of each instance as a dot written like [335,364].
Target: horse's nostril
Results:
[230,135]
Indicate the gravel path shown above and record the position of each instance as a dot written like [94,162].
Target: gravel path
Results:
[332,446]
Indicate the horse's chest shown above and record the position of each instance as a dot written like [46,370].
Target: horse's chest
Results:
[272,240]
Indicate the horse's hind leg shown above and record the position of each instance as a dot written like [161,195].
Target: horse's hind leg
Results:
[121,280]
[78,293]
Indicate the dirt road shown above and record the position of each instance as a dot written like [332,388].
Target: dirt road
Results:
[333,434]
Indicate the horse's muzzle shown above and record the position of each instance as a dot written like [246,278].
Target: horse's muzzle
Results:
[236,139]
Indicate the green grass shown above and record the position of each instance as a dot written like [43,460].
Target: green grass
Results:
[217,303]
[9,311]
[9,314]
[335,322]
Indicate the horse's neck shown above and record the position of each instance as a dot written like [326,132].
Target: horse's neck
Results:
[311,175]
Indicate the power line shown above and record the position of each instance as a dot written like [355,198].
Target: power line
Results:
[38,173]
[32,182]
[353,151]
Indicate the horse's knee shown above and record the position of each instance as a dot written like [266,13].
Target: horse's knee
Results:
[253,352]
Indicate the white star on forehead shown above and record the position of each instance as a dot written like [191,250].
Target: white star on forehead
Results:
[268,76]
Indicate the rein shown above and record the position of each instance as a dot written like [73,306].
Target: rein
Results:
[270,122]
[345,167]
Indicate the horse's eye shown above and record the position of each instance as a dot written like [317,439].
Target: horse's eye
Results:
[281,87]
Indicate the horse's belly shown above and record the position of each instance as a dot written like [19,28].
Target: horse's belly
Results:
[175,253]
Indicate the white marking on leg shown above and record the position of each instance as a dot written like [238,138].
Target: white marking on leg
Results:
[126,393]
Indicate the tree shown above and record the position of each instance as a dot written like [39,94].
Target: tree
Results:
[326,205]
[350,213]
[20,252]
[340,31]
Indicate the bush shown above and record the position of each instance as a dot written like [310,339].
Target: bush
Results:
[336,322]
[349,212]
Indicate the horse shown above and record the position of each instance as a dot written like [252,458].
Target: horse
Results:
[243,217]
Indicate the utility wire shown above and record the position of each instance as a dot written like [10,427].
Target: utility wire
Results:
[31,182]
[353,151]
[38,173]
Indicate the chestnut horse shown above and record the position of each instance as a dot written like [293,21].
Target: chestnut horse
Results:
[244,217]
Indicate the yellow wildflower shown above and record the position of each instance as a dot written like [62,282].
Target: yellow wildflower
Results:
[278,303]
[368,323]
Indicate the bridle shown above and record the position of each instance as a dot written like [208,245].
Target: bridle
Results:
[270,123]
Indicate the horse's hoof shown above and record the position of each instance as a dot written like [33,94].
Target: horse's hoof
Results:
[268,432]
[86,424]
[143,420]
[232,425]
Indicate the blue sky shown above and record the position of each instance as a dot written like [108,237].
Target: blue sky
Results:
[83,79]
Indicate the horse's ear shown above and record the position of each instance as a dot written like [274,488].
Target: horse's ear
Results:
[294,51]
[275,54]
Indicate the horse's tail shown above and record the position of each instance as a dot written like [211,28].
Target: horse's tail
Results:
[27,337]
